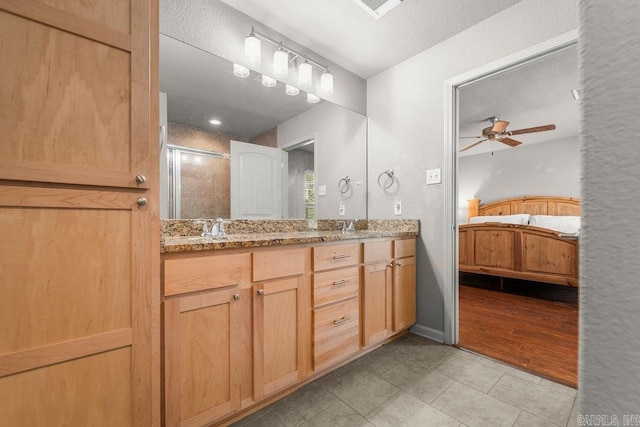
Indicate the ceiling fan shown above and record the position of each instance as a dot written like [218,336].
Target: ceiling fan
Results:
[498,132]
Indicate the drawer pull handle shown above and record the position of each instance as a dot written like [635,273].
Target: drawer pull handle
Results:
[344,319]
[343,256]
[341,282]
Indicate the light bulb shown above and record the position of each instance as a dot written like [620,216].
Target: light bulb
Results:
[268,81]
[304,74]
[292,90]
[252,53]
[312,99]
[326,83]
[280,64]
[240,70]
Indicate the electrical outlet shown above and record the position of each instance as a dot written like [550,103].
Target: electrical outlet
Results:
[397,206]
[433,176]
[341,209]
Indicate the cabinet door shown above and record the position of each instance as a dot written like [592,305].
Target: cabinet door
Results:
[277,334]
[376,303]
[404,293]
[202,375]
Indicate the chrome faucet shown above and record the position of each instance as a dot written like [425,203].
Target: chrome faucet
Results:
[350,227]
[205,231]
[220,226]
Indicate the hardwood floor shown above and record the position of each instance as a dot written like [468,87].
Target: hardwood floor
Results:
[517,326]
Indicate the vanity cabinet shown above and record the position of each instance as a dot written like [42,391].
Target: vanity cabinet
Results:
[336,306]
[404,284]
[280,281]
[376,291]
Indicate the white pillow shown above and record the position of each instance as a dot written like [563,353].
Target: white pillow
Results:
[564,224]
[521,219]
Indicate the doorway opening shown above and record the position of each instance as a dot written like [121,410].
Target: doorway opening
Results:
[455,209]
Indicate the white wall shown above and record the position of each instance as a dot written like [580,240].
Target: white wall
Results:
[546,169]
[405,106]
[341,150]
[220,29]
[609,367]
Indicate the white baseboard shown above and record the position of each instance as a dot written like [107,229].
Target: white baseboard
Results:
[429,333]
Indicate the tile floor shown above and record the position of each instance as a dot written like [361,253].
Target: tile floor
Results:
[417,382]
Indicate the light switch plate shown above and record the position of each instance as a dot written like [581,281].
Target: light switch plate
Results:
[322,190]
[433,176]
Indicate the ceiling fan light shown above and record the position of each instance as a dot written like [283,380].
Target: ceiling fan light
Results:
[268,81]
[312,99]
[240,71]
[252,54]
[304,74]
[280,64]
[292,90]
[326,83]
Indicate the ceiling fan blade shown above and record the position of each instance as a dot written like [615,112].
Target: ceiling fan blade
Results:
[510,142]
[532,130]
[499,126]
[472,145]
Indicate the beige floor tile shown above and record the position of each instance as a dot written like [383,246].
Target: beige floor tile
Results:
[407,374]
[528,420]
[462,369]
[405,410]
[252,417]
[303,404]
[510,370]
[430,387]
[337,415]
[534,398]
[560,388]
[267,420]
[382,359]
[360,389]
[573,418]
[474,408]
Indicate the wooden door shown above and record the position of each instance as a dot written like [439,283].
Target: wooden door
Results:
[78,100]
[404,293]
[277,332]
[376,303]
[202,369]
[257,181]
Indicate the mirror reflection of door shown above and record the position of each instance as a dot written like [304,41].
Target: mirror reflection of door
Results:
[301,185]
[257,181]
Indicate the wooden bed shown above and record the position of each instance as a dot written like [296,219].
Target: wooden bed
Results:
[520,251]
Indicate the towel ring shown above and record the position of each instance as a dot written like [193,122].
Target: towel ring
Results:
[344,184]
[389,174]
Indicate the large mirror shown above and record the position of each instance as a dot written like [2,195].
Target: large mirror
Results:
[235,148]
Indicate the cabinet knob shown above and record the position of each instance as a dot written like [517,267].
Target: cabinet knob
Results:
[236,297]
[390,265]
[398,264]
[141,179]
[141,201]
[260,292]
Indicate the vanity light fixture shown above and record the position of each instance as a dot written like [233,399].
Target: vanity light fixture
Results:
[312,99]
[252,52]
[280,63]
[292,90]
[268,81]
[240,70]
[282,58]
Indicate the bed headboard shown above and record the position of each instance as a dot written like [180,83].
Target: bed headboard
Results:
[532,205]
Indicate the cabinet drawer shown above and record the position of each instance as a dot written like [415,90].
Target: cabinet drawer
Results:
[326,257]
[404,248]
[331,286]
[335,333]
[377,251]
[209,272]
[281,263]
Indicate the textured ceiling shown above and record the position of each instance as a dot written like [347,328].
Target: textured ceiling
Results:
[534,94]
[343,32]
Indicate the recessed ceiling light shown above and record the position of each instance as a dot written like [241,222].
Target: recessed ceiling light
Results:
[215,122]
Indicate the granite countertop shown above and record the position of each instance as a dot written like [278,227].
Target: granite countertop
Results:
[174,238]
